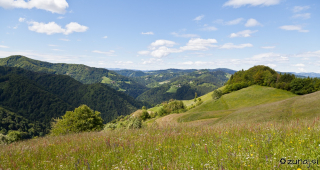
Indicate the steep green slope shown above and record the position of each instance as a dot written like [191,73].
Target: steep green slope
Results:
[82,73]
[184,87]
[38,97]
[228,103]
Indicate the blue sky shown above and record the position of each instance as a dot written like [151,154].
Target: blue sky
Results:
[147,35]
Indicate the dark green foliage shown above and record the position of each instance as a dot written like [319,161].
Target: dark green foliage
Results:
[80,72]
[82,119]
[145,115]
[265,76]
[124,122]
[35,98]
[12,136]
[216,94]
[174,106]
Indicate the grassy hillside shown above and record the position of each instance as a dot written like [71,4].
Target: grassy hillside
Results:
[229,103]
[80,72]
[39,97]
[232,146]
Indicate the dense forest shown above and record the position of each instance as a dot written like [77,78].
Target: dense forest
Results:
[80,72]
[35,98]
[265,76]
[184,87]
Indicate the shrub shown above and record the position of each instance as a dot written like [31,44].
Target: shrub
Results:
[145,115]
[216,94]
[82,119]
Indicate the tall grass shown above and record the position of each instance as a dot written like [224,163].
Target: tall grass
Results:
[222,146]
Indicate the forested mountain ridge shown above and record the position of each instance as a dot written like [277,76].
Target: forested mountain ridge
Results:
[80,72]
[39,97]
[184,87]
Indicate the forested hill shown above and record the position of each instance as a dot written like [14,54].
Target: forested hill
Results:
[80,72]
[184,87]
[39,97]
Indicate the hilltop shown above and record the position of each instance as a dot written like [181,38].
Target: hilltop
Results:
[80,72]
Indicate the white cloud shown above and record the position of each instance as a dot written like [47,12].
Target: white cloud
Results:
[309,54]
[239,3]
[164,51]
[74,27]
[51,45]
[271,65]
[123,63]
[252,23]
[198,18]
[152,61]
[61,17]
[64,39]
[209,28]
[54,6]
[21,19]
[299,65]
[268,47]
[301,69]
[269,57]
[199,44]
[163,43]
[234,22]
[184,35]
[293,28]
[2,46]
[198,63]
[160,48]
[105,37]
[53,28]
[108,53]
[300,8]
[147,33]
[231,46]
[143,52]
[302,16]
[245,33]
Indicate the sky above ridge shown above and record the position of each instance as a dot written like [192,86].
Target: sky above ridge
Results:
[150,35]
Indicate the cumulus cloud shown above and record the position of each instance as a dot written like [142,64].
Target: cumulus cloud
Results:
[3,46]
[234,22]
[269,57]
[163,43]
[108,53]
[245,33]
[54,6]
[239,3]
[268,47]
[300,8]
[53,28]
[198,18]
[184,35]
[105,37]
[21,19]
[301,69]
[271,65]
[147,33]
[293,28]
[252,23]
[199,44]
[160,48]
[302,16]
[164,51]
[143,52]
[232,46]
